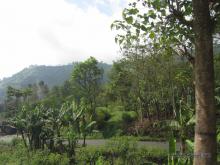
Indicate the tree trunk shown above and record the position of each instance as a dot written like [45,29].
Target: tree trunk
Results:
[205,129]
[84,140]
[182,145]
[157,110]
[24,140]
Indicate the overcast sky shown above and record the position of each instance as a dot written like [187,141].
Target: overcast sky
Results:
[53,32]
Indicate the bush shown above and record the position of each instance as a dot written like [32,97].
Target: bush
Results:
[13,153]
[102,161]
[46,158]
[15,141]
[129,117]
[114,108]
[120,151]
[89,155]
[16,153]
[114,120]
[103,116]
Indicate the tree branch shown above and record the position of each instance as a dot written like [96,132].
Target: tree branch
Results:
[177,13]
[184,52]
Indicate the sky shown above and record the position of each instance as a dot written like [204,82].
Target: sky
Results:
[56,32]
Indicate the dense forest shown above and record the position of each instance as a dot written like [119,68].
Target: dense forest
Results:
[164,88]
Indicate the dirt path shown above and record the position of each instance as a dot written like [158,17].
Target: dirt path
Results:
[148,144]
[7,138]
[101,142]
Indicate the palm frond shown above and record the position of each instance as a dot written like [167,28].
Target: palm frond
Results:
[192,120]
[217,98]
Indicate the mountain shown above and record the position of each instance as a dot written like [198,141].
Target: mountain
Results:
[51,75]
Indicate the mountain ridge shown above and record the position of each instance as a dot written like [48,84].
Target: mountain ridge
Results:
[51,75]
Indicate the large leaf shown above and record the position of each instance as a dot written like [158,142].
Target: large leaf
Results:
[129,19]
[152,35]
[190,145]
[217,98]
[172,145]
[172,150]
[90,124]
[191,121]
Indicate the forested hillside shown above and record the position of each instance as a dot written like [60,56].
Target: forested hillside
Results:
[51,75]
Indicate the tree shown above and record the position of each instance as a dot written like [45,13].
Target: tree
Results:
[85,123]
[30,122]
[205,130]
[66,89]
[15,98]
[182,25]
[86,79]
[120,83]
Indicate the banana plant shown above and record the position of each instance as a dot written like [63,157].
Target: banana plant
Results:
[176,158]
[30,122]
[86,123]
[172,150]
[86,128]
[20,124]
[183,122]
[54,124]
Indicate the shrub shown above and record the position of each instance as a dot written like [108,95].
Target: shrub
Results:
[46,158]
[102,161]
[120,151]
[16,153]
[103,116]
[15,141]
[88,155]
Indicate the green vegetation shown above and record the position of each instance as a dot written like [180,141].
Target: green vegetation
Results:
[16,153]
[149,94]
[117,151]
[86,107]
[122,150]
[50,75]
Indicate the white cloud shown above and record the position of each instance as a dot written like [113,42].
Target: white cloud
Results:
[53,32]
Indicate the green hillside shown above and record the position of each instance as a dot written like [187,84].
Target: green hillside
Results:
[51,75]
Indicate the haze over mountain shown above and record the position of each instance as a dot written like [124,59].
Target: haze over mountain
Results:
[63,31]
[51,75]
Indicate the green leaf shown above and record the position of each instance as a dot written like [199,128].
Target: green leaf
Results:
[152,35]
[192,120]
[133,11]
[163,12]
[91,124]
[172,145]
[217,98]
[137,32]
[152,14]
[120,41]
[112,26]
[190,145]
[144,28]
[129,19]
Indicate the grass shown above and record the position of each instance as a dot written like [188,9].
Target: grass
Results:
[14,153]
[121,150]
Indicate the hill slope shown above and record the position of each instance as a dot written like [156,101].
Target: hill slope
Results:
[51,75]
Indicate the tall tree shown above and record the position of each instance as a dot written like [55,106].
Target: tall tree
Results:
[182,25]
[87,79]
[205,130]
